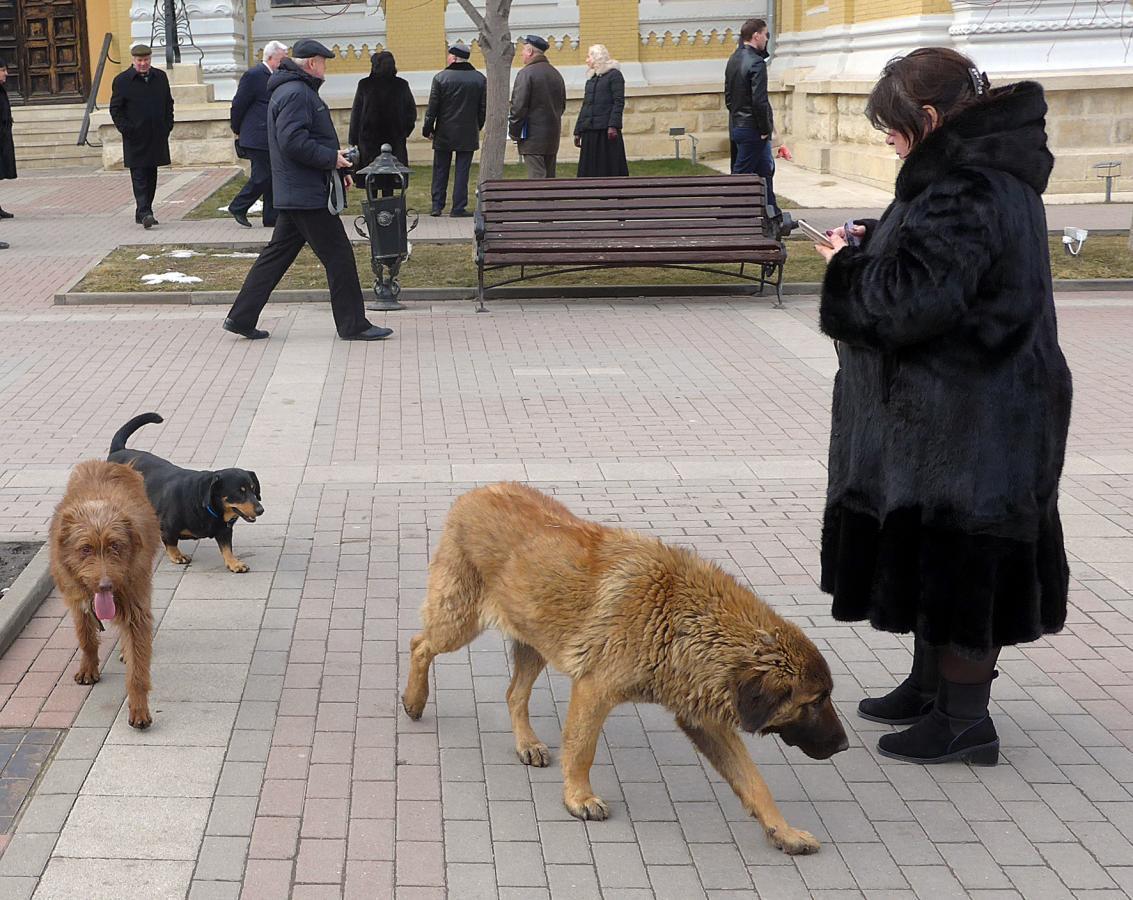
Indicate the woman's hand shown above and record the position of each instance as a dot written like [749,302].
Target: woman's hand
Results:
[837,238]
[578,140]
[858,231]
[612,134]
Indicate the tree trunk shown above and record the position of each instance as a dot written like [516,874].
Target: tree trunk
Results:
[498,50]
[1131,236]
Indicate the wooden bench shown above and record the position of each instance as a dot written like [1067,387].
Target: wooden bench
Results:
[572,224]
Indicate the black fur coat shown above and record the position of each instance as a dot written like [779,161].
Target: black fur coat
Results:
[953,396]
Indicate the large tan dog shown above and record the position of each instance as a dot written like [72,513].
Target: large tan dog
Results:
[628,619]
[104,539]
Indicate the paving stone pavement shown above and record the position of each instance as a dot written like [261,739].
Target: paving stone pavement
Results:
[280,764]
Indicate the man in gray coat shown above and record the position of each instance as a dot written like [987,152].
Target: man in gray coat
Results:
[538,101]
[458,105]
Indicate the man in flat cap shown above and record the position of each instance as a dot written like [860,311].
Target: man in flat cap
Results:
[458,105]
[141,106]
[249,122]
[538,101]
[305,159]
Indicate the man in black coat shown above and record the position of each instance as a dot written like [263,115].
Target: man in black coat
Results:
[7,145]
[249,121]
[751,121]
[458,106]
[141,106]
[307,190]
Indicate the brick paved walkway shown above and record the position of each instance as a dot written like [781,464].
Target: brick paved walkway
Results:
[279,763]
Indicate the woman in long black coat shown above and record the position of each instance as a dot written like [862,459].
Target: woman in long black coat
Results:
[7,145]
[598,130]
[384,111]
[952,403]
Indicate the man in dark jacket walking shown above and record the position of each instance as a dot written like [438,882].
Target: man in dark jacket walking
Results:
[141,106]
[249,120]
[750,119]
[305,159]
[458,105]
[7,145]
[538,102]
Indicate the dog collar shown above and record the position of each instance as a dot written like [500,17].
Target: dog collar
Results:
[208,506]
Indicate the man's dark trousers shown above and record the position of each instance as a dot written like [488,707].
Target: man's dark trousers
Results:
[144,182]
[324,232]
[442,162]
[258,185]
[753,157]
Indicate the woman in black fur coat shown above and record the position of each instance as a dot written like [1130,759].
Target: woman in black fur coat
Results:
[384,112]
[952,403]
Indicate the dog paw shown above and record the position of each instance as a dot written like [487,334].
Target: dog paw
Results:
[792,841]
[140,718]
[237,568]
[181,559]
[589,807]
[86,676]
[534,754]
[413,708]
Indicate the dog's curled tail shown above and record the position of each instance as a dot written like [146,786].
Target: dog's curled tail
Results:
[118,442]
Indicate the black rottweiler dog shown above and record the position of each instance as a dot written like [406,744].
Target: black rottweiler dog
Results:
[191,504]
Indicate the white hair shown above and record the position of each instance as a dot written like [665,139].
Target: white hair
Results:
[274,48]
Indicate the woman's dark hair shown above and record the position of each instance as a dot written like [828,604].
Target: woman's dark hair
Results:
[383,64]
[939,77]
[751,27]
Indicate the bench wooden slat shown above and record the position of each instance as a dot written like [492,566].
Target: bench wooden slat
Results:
[538,186]
[553,211]
[655,242]
[552,197]
[630,258]
[585,215]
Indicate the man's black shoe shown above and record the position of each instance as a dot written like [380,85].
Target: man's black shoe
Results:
[269,224]
[252,334]
[463,214]
[242,219]
[373,333]
[436,212]
[4,214]
[148,222]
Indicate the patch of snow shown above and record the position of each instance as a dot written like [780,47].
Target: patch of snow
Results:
[169,277]
[181,254]
[145,256]
[236,255]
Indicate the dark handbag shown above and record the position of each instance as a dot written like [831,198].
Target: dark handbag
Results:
[240,154]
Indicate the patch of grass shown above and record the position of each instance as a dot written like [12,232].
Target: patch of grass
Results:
[453,265]
[419,197]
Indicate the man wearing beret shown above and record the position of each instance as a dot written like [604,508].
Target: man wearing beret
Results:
[307,190]
[458,105]
[538,101]
[141,106]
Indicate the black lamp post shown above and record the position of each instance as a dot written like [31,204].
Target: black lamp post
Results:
[383,210]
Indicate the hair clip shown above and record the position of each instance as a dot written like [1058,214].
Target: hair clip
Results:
[980,82]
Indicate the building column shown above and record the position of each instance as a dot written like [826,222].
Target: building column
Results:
[617,26]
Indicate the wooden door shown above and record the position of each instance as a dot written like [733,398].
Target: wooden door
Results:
[52,49]
[9,44]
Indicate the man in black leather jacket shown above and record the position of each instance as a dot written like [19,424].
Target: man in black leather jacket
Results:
[305,156]
[750,119]
[458,106]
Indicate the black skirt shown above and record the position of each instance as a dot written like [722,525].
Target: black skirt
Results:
[971,591]
[600,157]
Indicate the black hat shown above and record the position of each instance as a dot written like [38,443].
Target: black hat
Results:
[141,50]
[537,42]
[462,52]
[308,47]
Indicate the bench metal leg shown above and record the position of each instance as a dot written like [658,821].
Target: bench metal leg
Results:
[480,291]
[779,290]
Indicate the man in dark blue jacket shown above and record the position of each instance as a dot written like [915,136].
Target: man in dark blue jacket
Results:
[305,157]
[250,125]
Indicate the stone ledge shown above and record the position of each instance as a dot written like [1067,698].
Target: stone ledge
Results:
[22,599]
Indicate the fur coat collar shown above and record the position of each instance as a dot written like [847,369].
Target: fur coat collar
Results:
[1008,133]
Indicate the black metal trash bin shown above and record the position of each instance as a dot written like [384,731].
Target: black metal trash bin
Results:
[384,222]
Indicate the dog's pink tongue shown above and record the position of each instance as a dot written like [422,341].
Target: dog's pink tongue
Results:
[104,605]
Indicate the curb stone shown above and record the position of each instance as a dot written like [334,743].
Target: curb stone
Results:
[22,599]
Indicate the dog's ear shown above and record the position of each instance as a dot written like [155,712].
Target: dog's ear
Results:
[255,484]
[758,696]
[208,491]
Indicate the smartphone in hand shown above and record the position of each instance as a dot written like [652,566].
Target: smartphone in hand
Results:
[814,234]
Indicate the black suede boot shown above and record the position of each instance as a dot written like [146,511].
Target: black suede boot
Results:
[913,698]
[957,728]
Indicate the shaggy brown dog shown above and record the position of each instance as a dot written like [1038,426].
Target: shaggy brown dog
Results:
[104,538]
[628,619]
